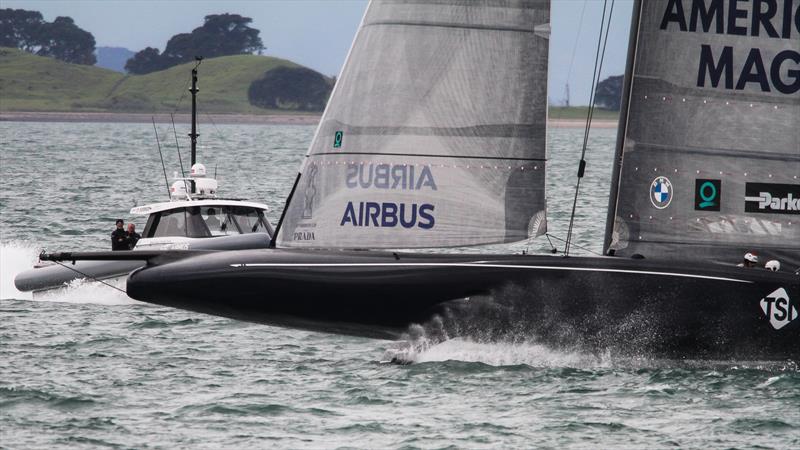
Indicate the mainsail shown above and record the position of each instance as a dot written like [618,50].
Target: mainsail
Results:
[709,166]
[435,133]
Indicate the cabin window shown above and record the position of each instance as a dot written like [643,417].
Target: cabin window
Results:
[149,227]
[171,223]
[207,221]
[250,220]
[195,224]
[217,220]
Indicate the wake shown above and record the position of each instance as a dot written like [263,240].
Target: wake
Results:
[18,256]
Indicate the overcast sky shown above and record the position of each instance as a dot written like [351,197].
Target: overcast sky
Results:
[318,33]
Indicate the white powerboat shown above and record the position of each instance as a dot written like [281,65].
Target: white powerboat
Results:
[194,219]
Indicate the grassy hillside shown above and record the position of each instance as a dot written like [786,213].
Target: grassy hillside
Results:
[35,83]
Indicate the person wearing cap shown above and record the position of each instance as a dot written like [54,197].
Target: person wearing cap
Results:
[750,260]
[119,239]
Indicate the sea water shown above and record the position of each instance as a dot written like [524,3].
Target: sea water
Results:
[88,367]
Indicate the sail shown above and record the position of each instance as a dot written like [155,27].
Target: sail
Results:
[434,135]
[709,165]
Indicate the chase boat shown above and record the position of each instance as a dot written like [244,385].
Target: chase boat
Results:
[194,219]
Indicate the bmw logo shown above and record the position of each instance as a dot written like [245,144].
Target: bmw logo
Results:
[661,192]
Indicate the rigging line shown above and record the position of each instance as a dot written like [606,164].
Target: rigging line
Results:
[183,94]
[575,48]
[213,124]
[598,67]
[166,180]
[553,248]
[573,245]
[177,146]
[91,277]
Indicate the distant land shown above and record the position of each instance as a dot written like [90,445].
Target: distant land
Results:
[113,58]
[33,83]
[40,88]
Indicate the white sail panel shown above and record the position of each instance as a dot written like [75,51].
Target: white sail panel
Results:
[710,162]
[435,133]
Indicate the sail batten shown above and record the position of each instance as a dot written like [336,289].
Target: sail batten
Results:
[709,160]
[435,134]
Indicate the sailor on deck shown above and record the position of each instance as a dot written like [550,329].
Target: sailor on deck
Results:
[119,239]
[132,236]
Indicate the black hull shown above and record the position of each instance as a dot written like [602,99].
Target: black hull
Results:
[598,304]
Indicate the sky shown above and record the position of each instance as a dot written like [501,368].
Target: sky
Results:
[318,33]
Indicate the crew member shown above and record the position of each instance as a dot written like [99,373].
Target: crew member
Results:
[750,260]
[133,236]
[119,239]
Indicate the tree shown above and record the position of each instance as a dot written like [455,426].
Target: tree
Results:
[64,40]
[220,35]
[60,39]
[20,29]
[296,88]
[608,94]
[145,61]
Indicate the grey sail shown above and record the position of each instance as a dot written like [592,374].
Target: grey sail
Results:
[435,133]
[709,163]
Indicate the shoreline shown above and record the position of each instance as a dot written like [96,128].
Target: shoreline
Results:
[244,119]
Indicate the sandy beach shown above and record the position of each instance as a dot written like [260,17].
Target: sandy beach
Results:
[256,119]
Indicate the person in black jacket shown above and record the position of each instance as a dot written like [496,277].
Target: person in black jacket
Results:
[119,239]
[133,236]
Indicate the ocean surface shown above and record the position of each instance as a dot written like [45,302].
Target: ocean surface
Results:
[87,367]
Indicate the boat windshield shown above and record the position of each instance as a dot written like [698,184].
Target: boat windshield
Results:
[207,221]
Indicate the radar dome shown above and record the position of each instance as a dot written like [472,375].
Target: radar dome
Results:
[198,170]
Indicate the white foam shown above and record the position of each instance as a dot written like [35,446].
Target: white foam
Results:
[18,256]
[496,354]
[15,257]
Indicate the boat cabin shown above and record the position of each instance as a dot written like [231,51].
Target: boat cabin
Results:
[203,218]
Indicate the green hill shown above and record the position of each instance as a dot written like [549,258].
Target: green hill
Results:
[34,83]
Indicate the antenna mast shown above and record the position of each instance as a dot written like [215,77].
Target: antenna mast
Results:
[193,135]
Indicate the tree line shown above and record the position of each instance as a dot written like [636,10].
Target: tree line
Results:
[220,35]
[60,39]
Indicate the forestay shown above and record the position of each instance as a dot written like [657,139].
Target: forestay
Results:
[710,161]
[435,132]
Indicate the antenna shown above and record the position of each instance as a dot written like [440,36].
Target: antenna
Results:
[193,135]
[166,181]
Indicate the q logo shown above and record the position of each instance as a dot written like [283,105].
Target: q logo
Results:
[707,195]
[337,139]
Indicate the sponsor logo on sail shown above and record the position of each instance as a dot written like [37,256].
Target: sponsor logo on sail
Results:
[739,67]
[337,139]
[390,176]
[310,192]
[778,308]
[772,198]
[661,192]
[707,195]
[389,214]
